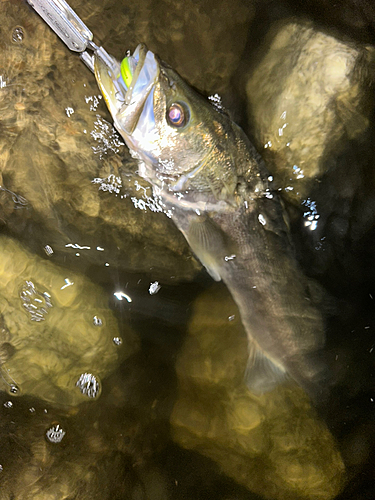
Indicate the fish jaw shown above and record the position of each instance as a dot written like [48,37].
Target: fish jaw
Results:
[107,79]
[131,108]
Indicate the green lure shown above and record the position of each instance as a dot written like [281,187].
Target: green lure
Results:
[126,72]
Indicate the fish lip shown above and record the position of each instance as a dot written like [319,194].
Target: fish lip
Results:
[124,105]
[106,79]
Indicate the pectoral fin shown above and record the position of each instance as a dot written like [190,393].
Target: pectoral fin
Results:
[211,268]
[208,243]
[262,374]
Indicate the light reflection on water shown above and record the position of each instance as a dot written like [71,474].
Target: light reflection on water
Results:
[144,397]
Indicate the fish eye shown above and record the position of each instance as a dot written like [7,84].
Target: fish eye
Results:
[177,115]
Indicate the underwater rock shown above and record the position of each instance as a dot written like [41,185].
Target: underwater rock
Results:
[65,176]
[353,18]
[312,106]
[56,350]
[88,453]
[309,100]
[274,445]
[195,37]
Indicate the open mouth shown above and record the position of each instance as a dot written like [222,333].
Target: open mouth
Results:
[130,70]
[127,85]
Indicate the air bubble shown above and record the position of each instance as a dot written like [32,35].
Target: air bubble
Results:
[117,340]
[261,219]
[106,137]
[154,288]
[48,249]
[55,434]
[18,34]
[35,302]
[88,385]
[216,102]
[13,389]
[8,404]
[97,321]
[3,81]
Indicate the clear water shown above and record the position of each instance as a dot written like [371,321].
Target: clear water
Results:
[121,362]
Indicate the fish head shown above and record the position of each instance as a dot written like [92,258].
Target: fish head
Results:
[183,143]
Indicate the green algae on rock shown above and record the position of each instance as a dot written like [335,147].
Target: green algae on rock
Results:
[274,445]
[60,329]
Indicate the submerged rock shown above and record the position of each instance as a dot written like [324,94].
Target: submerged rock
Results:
[354,18]
[274,445]
[52,344]
[94,452]
[194,36]
[311,106]
[309,100]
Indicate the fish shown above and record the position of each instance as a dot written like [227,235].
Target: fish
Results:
[219,194]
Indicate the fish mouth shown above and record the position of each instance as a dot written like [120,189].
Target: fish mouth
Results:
[126,86]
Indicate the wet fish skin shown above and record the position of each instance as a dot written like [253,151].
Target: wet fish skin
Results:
[216,186]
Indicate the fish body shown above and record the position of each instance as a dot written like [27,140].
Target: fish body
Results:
[216,187]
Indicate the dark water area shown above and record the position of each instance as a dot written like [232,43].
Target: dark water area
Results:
[121,361]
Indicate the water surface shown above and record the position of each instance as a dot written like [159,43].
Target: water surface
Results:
[121,361]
